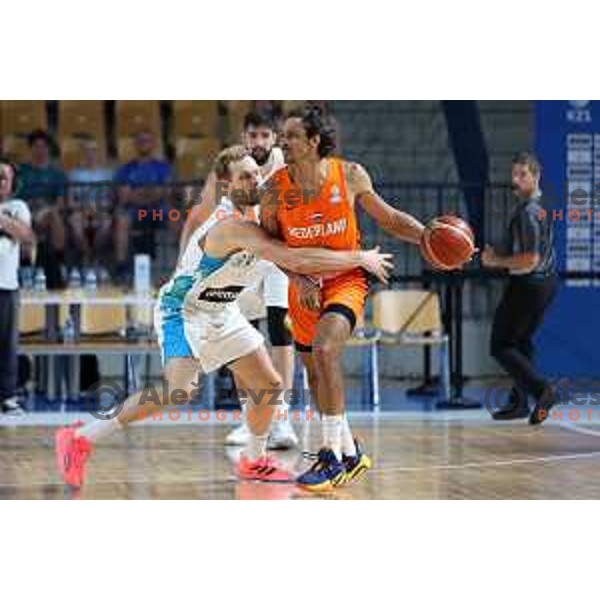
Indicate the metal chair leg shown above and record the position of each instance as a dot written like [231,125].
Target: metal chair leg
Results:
[444,374]
[370,390]
[131,382]
[374,353]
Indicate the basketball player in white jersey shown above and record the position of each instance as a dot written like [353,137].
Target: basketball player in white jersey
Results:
[271,293]
[201,328]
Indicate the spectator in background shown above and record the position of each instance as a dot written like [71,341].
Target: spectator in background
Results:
[39,179]
[15,229]
[89,169]
[43,186]
[95,225]
[140,186]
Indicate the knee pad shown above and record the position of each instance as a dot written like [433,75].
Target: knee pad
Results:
[279,334]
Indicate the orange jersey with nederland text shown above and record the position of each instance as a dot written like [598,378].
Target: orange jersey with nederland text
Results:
[326,221]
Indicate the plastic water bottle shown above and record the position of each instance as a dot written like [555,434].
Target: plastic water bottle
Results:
[69,331]
[445,383]
[141,269]
[26,278]
[74,279]
[103,277]
[90,281]
[39,281]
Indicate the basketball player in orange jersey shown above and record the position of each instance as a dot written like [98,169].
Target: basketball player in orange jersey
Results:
[312,203]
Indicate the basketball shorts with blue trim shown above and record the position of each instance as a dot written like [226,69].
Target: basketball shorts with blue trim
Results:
[214,338]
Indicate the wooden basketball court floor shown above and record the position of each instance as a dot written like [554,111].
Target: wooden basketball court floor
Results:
[416,456]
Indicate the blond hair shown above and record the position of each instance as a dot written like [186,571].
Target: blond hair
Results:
[226,158]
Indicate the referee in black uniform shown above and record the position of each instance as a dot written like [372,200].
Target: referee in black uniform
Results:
[530,260]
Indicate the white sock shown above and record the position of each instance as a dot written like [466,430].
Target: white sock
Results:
[256,446]
[332,433]
[98,428]
[348,445]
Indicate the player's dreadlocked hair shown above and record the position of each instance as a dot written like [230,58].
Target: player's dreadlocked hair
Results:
[316,122]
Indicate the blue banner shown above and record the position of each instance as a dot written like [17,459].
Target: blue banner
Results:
[567,135]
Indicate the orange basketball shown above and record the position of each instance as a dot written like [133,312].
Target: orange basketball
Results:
[457,222]
[448,242]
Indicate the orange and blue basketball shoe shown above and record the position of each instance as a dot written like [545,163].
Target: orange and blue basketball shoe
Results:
[356,465]
[326,473]
[264,468]
[71,455]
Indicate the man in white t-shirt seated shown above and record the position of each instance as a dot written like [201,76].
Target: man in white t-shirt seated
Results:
[15,229]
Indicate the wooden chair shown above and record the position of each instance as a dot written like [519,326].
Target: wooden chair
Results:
[409,318]
[21,117]
[238,107]
[16,147]
[134,116]
[288,106]
[194,157]
[366,337]
[407,315]
[195,118]
[142,317]
[78,117]
[236,111]
[105,321]
[126,149]
[32,320]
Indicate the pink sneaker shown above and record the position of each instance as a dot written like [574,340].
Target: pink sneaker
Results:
[71,455]
[265,468]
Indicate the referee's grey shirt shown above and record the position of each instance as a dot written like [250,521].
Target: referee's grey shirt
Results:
[527,232]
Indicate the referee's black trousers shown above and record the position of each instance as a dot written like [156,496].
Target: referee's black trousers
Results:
[518,316]
[9,337]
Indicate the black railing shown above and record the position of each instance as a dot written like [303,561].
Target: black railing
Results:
[423,200]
